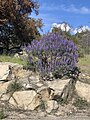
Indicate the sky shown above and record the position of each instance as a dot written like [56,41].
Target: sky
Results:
[75,12]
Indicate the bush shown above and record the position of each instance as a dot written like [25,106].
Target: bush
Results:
[53,55]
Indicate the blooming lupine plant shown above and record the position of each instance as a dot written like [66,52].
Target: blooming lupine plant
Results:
[53,55]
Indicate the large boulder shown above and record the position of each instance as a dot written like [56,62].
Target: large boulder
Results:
[83,90]
[21,99]
[9,71]
[30,99]
[58,85]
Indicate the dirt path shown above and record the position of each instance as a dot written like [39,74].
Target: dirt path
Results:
[21,115]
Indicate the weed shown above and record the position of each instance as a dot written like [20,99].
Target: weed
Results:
[60,100]
[81,103]
[42,106]
[2,115]
[15,86]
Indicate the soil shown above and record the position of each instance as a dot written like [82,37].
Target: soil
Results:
[28,115]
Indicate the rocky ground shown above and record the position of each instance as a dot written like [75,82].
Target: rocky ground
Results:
[23,95]
[27,115]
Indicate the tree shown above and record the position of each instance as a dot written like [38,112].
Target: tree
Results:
[64,29]
[14,17]
[84,42]
[8,39]
[13,10]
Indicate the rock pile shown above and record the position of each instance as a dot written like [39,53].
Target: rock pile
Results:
[24,90]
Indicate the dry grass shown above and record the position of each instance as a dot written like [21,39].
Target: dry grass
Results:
[84,64]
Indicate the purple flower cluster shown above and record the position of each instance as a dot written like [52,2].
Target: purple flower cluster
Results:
[53,54]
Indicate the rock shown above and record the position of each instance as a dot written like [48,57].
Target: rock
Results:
[24,81]
[22,74]
[16,55]
[24,55]
[30,86]
[46,93]
[9,71]
[3,87]
[34,78]
[22,99]
[5,97]
[83,90]
[18,71]
[39,84]
[10,64]
[36,102]
[4,72]
[51,105]
[84,78]
[58,85]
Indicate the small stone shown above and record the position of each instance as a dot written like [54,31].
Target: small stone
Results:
[51,105]
[39,84]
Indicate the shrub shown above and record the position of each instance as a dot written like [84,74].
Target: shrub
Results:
[53,55]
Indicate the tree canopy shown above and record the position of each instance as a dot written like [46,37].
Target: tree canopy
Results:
[14,17]
[12,9]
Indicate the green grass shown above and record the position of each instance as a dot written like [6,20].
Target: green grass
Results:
[84,63]
[4,58]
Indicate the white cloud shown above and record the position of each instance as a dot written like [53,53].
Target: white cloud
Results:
[71,8]
[50,7]
[74,9]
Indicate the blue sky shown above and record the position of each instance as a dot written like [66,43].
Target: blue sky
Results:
[75,12]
